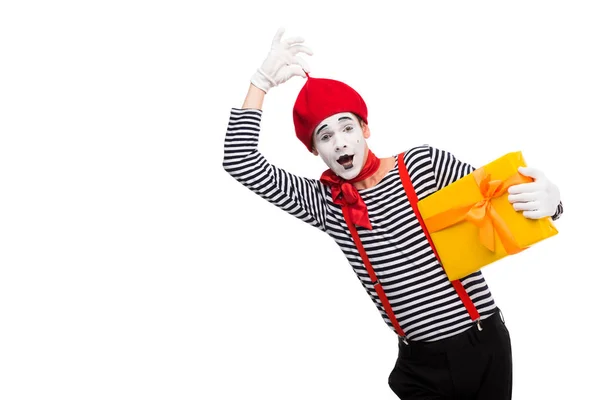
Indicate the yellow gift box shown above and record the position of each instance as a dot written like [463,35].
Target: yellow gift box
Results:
[471,222]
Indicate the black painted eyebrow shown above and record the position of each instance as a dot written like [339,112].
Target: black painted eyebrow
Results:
[325,126]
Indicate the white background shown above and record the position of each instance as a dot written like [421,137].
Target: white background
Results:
[133,267]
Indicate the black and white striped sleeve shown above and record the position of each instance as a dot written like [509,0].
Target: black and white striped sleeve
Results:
[559,211]
[301,197]
[447,168]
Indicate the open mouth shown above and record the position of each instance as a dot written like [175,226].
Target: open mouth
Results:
[346,161]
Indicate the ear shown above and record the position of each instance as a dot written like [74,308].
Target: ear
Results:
[315,152]
[365,129]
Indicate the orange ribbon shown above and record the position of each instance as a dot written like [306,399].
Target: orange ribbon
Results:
[482,213]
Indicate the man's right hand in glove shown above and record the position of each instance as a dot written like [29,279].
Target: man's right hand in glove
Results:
[281,63]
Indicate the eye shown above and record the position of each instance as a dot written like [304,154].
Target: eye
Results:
[346,128]
[325,137]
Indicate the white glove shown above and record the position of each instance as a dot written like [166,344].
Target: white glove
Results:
[537,199]
[281,63]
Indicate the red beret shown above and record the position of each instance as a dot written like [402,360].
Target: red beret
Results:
[321,98]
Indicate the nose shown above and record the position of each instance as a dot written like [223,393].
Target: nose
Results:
[340,147]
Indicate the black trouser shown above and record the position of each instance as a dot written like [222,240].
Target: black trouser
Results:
[475,364]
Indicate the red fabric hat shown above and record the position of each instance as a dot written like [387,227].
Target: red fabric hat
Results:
[321,98]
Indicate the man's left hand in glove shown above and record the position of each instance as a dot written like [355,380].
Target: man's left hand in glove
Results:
[537,199]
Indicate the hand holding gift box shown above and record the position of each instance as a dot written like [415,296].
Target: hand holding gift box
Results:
[537,199]
[473,222]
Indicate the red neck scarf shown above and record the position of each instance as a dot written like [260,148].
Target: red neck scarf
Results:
[345,194]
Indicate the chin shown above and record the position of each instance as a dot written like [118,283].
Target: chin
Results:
[349,173]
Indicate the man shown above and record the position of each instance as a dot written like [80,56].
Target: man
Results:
[452,339]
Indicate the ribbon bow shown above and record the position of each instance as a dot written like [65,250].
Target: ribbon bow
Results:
[346,195]
[481,213]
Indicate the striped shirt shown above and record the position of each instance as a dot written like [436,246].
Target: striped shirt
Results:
[422,297]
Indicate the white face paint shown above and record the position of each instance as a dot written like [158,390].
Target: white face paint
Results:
[340,142]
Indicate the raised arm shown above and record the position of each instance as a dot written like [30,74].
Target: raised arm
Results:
[301,197]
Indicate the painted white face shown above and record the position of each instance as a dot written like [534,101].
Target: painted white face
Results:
[340,142]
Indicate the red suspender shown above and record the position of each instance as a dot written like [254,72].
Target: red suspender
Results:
[374,279]
[412,197]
